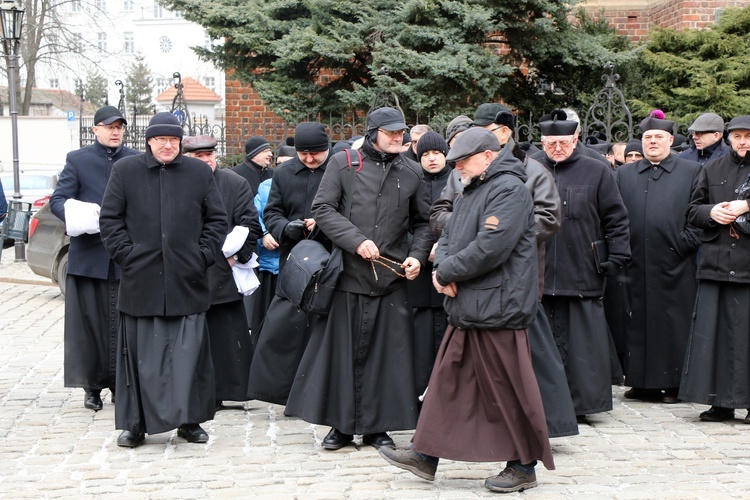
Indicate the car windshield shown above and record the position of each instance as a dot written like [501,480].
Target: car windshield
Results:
[28,182]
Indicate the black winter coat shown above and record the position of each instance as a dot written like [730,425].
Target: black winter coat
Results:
[240,209]
[592,210]
[292,192]
[661,283]
[84,178]
[421,291]
[389,200]
[253,173]
[722,257]
[488,248]
[714,151]
[164,224]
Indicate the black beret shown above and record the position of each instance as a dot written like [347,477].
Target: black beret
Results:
[557,124]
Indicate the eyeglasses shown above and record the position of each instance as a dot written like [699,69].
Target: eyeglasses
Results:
[161,141]
[392,133]
[563,143]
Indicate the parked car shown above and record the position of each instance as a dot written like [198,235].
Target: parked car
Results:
[36,186]
[47,250]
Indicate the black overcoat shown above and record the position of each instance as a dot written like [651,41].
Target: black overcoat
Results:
[164,224]
[253,173]
[292,192]
[661,281]
[84,178]
[240,209]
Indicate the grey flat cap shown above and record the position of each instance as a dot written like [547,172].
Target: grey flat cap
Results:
[195,143]
[707,122]
[473,141]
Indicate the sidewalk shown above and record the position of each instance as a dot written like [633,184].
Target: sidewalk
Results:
[52,447]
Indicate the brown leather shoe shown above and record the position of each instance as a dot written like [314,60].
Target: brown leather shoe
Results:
[408,459]
[510,479]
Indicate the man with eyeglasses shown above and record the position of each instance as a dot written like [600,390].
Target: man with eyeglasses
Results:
[163,221]
[661,284]
[707,132]
[357,373]
[93,279]
[633,151]
[593,211]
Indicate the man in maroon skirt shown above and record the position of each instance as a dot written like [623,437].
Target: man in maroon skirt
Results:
[483,402]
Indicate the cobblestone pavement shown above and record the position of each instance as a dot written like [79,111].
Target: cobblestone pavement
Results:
[51,446]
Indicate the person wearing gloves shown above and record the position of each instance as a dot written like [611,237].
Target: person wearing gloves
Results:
[231,349]
[163,222]
[288,217]
[93,278]
[593,216]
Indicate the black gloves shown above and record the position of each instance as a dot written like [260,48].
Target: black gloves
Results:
[609,268]
[295,230]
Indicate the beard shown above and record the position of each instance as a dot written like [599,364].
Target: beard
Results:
[465,179]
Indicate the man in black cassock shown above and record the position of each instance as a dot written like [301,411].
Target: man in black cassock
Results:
[163,222]
[660,280]
[357,373]
[92,278]
[231,349]
[288,217]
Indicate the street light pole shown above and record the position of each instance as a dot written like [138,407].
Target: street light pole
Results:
[12,19]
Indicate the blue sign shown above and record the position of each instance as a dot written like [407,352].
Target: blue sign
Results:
[71,116]
[180,114]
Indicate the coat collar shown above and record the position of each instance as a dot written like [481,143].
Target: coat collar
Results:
[297,165]
[667,163]
[152,162]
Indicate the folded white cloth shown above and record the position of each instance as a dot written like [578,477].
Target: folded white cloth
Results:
[244,276]
[81,217]
[234,240]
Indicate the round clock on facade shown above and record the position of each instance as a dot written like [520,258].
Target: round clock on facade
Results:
[165,44]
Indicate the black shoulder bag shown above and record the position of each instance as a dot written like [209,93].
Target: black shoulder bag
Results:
[309,276]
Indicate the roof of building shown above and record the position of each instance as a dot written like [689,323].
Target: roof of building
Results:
[193,91]
[61,99]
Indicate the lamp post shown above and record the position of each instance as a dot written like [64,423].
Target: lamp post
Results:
[11,18]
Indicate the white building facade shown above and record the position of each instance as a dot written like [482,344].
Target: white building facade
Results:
[109,34]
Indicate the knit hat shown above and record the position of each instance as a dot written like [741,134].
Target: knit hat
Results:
[487,112]
[557,124]
[311,137]
[707,122]
[473,141]
[255,145]
[634,145]
[285,150]
[164,124]
[431,141]
[457,125]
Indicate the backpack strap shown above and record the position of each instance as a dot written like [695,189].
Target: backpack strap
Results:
[351,162]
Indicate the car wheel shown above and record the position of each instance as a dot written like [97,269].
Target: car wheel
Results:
[62,272]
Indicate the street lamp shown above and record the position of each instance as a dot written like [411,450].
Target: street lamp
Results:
[11,18]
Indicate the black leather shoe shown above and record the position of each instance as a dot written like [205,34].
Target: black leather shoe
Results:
[219,405]
[93,401]
[717,414]
[130,439]
[336,440]
[193,433]
[378,440]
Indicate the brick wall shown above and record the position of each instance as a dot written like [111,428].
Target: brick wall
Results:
[677,14]
[247,115]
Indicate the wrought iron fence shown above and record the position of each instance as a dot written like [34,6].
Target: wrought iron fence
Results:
[608,115]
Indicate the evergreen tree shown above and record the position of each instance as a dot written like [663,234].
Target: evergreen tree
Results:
[95,89]
[139,86]
[690,72]
[440,57]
